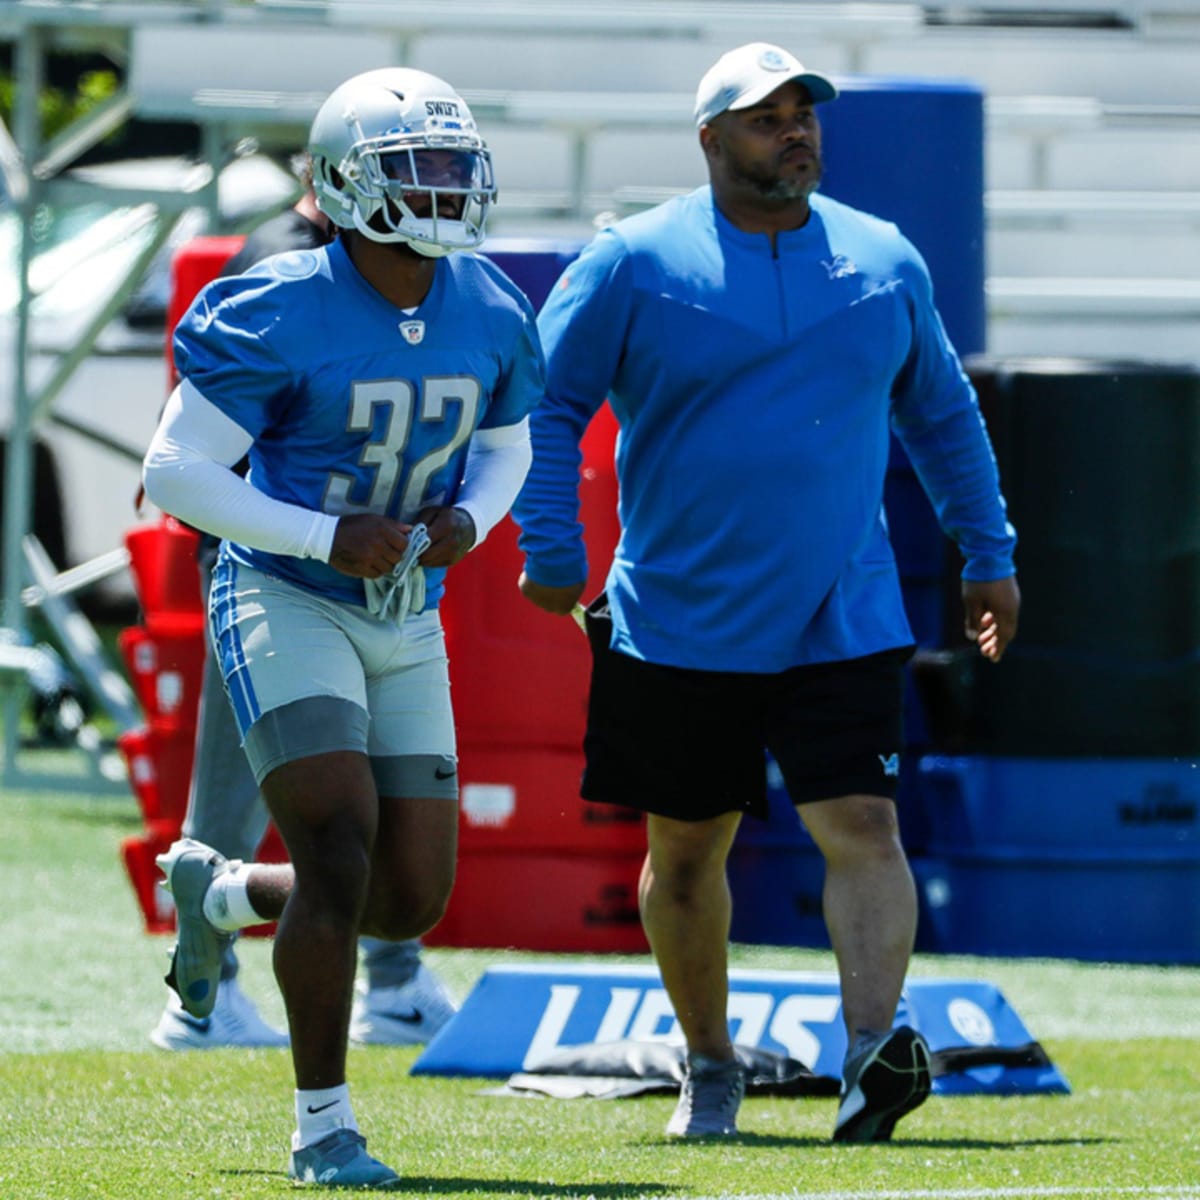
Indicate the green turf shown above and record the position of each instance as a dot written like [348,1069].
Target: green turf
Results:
[88,1109]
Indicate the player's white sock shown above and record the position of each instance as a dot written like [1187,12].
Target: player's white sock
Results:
[227,904]
[320,1112]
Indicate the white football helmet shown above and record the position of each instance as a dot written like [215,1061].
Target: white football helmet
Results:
[397,156]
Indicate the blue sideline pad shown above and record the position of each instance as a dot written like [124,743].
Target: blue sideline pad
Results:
[516,1016]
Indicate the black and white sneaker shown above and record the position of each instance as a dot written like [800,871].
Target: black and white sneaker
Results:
[885,1077]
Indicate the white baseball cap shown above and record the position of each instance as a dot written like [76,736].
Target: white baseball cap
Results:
[743,77]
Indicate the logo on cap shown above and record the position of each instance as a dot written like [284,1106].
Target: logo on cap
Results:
[772,60]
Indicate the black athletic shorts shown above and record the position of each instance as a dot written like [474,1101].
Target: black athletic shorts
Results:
[691,744]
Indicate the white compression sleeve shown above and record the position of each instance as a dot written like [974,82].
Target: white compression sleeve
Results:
[187,473]
[497,463]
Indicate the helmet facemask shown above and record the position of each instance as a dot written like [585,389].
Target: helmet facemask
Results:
[433,197]
[425,180]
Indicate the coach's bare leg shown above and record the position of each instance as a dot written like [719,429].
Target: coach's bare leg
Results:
[870,904]
[326,810]
[685,904]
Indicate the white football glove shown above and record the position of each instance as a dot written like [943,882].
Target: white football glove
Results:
[392,597]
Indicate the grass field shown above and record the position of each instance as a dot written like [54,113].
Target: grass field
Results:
[89,1109]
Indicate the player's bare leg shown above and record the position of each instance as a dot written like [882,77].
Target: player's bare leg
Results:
[412,867]
[326,810]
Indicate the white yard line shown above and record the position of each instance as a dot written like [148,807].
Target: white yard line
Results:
[1183,1192]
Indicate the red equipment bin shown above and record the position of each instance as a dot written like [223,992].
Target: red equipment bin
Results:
[526,798]
[138,854]
[545,901]
[166,667]
[539,867]
[165,655]
[159,762]
[520,675]
[195,264]
[162,558]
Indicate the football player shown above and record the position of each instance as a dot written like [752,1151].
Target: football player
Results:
[398,1000]
[380,386]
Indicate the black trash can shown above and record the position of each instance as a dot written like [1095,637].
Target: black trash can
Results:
[1100,462]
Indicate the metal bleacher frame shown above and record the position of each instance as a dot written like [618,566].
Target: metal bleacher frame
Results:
[229,111]
[40,171]
[36,173]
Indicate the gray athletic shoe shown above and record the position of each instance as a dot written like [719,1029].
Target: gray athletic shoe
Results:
[884,1079]
[709,1099]
[341,1160]
[190,867]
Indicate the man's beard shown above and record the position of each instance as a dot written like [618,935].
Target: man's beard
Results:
[774,188]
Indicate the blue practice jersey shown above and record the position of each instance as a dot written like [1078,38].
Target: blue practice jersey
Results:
[355,405]
[755,390]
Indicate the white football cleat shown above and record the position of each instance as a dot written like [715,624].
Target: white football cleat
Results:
[400,1016]
[234,1021]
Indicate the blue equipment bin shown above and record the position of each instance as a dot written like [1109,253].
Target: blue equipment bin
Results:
[978,802]
[1100,906]
[1096,859]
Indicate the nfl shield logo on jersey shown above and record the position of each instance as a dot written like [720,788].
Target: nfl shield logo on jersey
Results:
[413,331]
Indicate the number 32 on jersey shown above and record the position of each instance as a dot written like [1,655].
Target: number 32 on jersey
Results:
[420,435]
